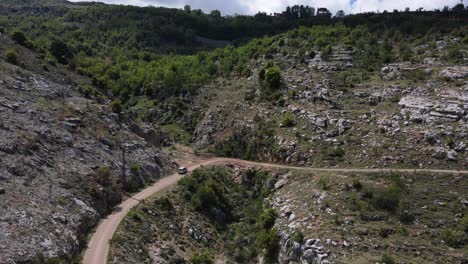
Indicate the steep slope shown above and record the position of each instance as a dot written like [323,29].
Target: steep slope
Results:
[61,161]
[236,214]
[336,105]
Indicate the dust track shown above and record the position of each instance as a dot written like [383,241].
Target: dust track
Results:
[98,246]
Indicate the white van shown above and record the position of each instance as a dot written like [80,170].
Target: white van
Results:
[183,170]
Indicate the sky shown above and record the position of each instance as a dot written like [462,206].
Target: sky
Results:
[270,6]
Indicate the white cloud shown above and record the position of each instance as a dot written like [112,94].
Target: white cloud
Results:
[253,6]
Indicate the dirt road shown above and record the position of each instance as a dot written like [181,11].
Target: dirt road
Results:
[98,247]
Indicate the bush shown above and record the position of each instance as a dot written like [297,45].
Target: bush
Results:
[268,240]
[454,54]
[261,74]
[387,199]
[357,185]
[464,224]
[12,56]
[288,120]
[203,258]
[406,217]
[336,152]
[453,238]
[267,219]
[298,237]
[60,51]
[135,215]
[116,106]
[104,176]
[19,37]
[387,259]
[273,78]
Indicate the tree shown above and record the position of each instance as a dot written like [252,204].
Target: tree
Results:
[273,78]
[197,12]
[203,258]
[267,219]
[19,38]
[288,12]
[60,51]
[187,9]
[215,13]
[11,56]
[340,14]
[116,106]
[459,8]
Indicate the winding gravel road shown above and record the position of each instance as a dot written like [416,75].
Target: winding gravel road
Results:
[98,246]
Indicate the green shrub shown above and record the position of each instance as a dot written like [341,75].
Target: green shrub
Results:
[336,152]
[267,219]
[326,51]
[261,74]
[135,215]
[298,237]
[203,258]
[387,199]
[116,106]
[19,37]
[288,120]
[454,53]
[464,224]
[60,51]
[406,217]
[164,203]
[11,56]
[357,185]
[324,182]
[453,238]
[273,78]
[386,259]
[104,176]
[267,240]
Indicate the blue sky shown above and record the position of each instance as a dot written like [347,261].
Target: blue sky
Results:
[253,6]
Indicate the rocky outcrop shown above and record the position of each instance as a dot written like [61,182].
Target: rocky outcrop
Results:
[424,109]
[53,143]
[455,73]
[310,251]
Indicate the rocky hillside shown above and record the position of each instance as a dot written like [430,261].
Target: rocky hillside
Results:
[61,159]
[329,109]
[298,217]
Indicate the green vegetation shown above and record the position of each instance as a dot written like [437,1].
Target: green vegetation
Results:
[288,120]
[236,208]
[267,219]
[11,56]
[454,238]
[203,258]
[155,54]
[298,237]
[388,259]
[267,241]
[249,144]
[116,106]
[273,78]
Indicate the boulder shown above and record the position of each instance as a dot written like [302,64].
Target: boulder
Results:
[461,147]
[452,155]
[309,256]
[431,137]
[455,73]
[280,184]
